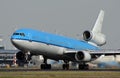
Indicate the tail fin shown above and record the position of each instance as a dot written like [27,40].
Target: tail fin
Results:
[98,25]
[96,36]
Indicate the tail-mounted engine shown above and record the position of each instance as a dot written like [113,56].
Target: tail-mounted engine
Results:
[97,38]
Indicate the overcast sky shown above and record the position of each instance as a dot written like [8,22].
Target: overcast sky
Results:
[64,17]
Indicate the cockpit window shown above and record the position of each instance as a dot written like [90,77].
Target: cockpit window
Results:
[16,34]
[21,34]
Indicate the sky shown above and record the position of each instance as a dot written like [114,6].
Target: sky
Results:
[64,17]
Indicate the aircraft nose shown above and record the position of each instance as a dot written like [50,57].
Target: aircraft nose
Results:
[17,43]
[14,41]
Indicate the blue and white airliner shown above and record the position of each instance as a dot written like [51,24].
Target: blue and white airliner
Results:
[51,46]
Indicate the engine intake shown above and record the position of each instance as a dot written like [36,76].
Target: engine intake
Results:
[87,35]
[82,56]
[20,56]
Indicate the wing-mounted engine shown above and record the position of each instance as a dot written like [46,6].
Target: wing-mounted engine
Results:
[21,56]
[83,56]
[97,38]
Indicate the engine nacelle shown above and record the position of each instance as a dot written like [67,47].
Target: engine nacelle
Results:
[97,38]
[20,55]
[82,56]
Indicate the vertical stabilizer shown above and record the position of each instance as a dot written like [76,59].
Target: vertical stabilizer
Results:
[95,36]
[98,25]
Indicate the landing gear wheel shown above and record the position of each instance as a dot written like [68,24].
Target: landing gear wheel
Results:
[66,66]
[83,66]
[45,66]
[86,67]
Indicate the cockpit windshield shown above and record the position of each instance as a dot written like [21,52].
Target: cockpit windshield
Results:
[21,34]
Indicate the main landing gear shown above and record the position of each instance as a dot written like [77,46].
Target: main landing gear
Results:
[83,66]
[45,66]
[66,65]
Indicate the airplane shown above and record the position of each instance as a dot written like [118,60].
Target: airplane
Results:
[34,42]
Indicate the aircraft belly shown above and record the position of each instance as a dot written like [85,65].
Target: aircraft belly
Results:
[41,48]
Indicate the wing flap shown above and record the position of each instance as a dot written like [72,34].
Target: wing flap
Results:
[97,52]
[105,52]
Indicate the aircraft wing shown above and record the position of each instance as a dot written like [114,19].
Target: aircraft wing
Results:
[105,52]
[89,55]
[96,52]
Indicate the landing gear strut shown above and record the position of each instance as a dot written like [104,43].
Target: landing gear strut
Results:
[27,57]
[45,65]
[83,66]
[66,65]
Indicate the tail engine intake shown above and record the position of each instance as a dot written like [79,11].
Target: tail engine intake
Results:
[97,38]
